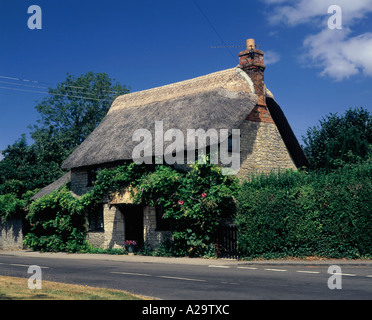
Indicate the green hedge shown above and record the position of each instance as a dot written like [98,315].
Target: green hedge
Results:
[302,214]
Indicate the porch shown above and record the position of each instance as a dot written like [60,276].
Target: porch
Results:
[112,224]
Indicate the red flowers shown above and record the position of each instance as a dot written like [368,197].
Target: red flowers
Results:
[130,243]
[180,202]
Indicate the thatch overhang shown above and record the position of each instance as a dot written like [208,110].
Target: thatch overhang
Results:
[288,136]
[53,186]
[220,100]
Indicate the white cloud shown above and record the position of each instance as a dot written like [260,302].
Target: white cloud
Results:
[339,53]
[303,11]
[271,57]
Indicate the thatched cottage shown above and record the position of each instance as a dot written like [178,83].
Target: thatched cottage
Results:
[235,98]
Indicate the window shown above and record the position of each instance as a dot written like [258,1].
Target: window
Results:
[233,143]
[92,176]
[162,224]
[95,219]
[229,144]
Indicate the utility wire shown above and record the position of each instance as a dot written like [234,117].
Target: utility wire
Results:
[42,82]
[23,85]
[55,94]
[214,29]
[79,95]
[223,47]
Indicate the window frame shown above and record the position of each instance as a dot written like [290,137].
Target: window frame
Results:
[96,219]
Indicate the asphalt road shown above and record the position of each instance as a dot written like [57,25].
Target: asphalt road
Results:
[200,282]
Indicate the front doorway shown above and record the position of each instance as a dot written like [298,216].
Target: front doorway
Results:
[133,220]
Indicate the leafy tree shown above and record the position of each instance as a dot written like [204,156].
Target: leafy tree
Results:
[67,116]
[71,112]
[339,139]
[18,171]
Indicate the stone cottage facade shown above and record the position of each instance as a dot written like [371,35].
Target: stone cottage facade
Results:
[235,98]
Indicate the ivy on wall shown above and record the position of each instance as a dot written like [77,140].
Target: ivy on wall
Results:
[193,201]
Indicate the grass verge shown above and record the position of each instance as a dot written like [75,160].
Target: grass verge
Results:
[12,288]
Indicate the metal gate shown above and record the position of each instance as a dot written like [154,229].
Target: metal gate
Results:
[226,246]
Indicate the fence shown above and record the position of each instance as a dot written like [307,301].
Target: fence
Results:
[227,242]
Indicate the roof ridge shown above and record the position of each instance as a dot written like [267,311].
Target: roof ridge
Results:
[230,79]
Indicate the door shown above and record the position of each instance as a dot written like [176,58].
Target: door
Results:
[133,219]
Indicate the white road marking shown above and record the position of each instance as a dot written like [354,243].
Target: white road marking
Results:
[343,274]
[166,277]
[280,270]
[179,278]
[217,266]
[23,265]
[133,274]
[214,266]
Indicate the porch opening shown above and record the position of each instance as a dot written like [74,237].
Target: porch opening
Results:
[133,220]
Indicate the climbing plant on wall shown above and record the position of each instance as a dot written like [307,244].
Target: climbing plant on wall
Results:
[193,201]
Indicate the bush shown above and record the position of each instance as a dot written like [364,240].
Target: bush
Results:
[10,206]
[57,223]
[302,214]
[194,203]
[13,205]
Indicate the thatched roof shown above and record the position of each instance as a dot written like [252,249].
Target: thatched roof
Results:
[286,132]
[221,100]
[53,186]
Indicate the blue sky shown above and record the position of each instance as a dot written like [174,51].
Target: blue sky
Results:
[311,69]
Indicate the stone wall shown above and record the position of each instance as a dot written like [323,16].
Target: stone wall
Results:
[262,149]
[79,181]
[113,235]
[114,225]
[151,236]
[11,235]
[96,238]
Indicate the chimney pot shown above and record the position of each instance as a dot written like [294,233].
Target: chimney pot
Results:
[250,44]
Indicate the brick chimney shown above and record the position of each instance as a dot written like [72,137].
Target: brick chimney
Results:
[252,62]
